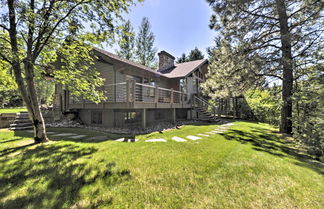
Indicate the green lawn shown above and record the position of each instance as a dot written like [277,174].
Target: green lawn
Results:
[13,110]
[249,166]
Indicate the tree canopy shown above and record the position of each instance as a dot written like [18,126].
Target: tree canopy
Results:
[126,42]
[145,50]
[280,37]
[37,34]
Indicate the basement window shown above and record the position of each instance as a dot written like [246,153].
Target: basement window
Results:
[132,117]
[96,117]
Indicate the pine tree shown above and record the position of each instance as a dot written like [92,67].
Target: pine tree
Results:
[284,35]
[195,54]
[127,42]
[182,59]
[145,50]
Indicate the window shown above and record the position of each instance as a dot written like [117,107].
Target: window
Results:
[132,117]
[183,85]
[96,117]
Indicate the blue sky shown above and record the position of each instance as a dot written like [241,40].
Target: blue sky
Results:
[178,25]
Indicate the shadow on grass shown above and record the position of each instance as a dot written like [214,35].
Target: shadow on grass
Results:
[90,135]
[52,176]
[269,142]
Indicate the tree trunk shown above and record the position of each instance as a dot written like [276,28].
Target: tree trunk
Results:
[35,114]
[287,64]
[28,95]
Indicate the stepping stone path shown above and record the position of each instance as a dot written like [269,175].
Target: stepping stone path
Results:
[98,138]
[156,140]
[193,137]
[178,139]
[219,130]
[65,134]
[50,132]
[77,136]
[126,140]
[203,135]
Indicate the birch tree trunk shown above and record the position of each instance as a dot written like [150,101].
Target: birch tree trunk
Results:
[28,94]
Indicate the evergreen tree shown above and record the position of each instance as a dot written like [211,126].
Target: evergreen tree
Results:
[195,54]
[145,50]
[127,42]
[283,35]
[182,59]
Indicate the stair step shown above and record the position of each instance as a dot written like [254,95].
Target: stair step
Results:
[22,121]
[20,124]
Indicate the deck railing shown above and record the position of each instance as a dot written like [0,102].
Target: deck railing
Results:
[137,92]
[204,105]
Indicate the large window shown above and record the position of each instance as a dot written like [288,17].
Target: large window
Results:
[183,85]
[132,117]
[96,117]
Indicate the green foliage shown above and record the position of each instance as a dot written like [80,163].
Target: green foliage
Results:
[145,50]
[195,54]
[126,42]
[182,59]
[308,114]
[264,104]
[48,29]
[9,95]
[231,72]
[76,71]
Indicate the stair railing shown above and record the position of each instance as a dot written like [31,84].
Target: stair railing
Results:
[203,104]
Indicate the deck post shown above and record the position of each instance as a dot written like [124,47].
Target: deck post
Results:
[156,95]
[171,97]
[127,91]
[134,91]
[173,115]
[144,118]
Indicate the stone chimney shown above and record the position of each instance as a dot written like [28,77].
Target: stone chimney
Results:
[166,60]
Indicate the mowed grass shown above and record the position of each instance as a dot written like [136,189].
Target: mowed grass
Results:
[249,166]
[13,110]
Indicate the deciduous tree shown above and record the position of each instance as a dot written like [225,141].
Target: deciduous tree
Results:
[34,33]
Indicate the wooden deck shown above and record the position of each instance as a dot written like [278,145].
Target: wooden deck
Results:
[131,95]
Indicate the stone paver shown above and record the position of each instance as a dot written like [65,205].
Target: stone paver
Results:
[203,134]
[77,136]
[126,140]
[156,140]
[65,134]
[210,132]
[178,139]
[47,132]
[99,138]
[193,137]
[50,132]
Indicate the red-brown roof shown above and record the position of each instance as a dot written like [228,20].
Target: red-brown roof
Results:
[179,71]
[183,69]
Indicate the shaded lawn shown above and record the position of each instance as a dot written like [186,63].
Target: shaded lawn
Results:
[248,166]
[13,110]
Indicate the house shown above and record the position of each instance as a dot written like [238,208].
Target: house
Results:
[141,96]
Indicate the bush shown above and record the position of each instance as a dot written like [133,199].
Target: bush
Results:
[308,115]
[264,104]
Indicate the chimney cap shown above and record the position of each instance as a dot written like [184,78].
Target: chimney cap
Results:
[166,53]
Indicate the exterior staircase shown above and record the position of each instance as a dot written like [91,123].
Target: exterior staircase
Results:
[206,111]
[21,122]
